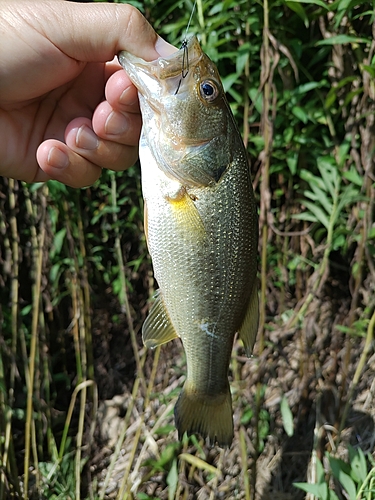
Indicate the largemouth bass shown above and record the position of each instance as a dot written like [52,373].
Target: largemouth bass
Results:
[201,228]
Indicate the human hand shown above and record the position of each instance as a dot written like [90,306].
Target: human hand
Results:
[67,109]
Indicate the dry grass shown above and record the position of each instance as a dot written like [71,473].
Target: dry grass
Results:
[305,375]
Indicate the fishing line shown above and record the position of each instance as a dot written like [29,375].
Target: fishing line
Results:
[185,55]
[191,17]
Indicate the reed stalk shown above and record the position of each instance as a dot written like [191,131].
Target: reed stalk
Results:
[7,401]
[368,347]
[265,208]
[36,301]
[244,466]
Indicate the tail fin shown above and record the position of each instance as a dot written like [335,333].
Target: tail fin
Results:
[209,416]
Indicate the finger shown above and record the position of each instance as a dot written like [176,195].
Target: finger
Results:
[118,119]
[116,126]
[115,155]
[121,93]
[57,161]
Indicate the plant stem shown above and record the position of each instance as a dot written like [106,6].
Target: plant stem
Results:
[38,263]
[361,364]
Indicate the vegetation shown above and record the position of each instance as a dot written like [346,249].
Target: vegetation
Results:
[85,410]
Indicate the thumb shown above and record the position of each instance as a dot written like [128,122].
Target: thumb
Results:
[97,32]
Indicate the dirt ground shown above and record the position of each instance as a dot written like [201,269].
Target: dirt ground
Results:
[311,365]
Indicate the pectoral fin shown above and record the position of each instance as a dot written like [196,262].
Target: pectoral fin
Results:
[249,327]
[157,329]
[187,217]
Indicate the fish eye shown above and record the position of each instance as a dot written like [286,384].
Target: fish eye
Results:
[209,90]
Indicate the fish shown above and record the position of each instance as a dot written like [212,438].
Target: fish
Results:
[201,228]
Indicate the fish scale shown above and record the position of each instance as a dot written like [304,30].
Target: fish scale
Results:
[201,227]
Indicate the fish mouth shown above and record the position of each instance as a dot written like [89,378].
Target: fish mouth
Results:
[153,78]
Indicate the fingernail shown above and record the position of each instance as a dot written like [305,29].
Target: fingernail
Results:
[164,48]
[124,97]
[86,139]
[57,158]
[116,124]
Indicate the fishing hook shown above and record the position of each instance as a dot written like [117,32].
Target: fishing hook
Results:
[185,64]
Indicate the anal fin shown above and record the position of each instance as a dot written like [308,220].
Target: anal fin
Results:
[157,328]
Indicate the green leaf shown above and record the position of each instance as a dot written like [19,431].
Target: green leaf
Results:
[299,10]
[305,216]
[166,457]
[333,496]
[247,415]
[338,470]
[343,152]
[343,4]
[292,163]
[314,489]
[320,216]
[341,39]
[165,430]
[328,170]
[36,186]
[172,480]
[320,471]
[55,273]
[312,179]
[229,80]
[358,464]
[313,2]
[3,390]
[351,95]
[242,57]
[26,310]
[58,242]
[256,98]
[56,188]
[369,69]
[331,98]
[300,114]
[307,87]
[347,197]
[287,416]
[338,241]
[321,197]
[200,464]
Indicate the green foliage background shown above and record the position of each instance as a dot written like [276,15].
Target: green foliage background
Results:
[75,275]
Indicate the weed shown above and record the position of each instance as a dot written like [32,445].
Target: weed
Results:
[354,478]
